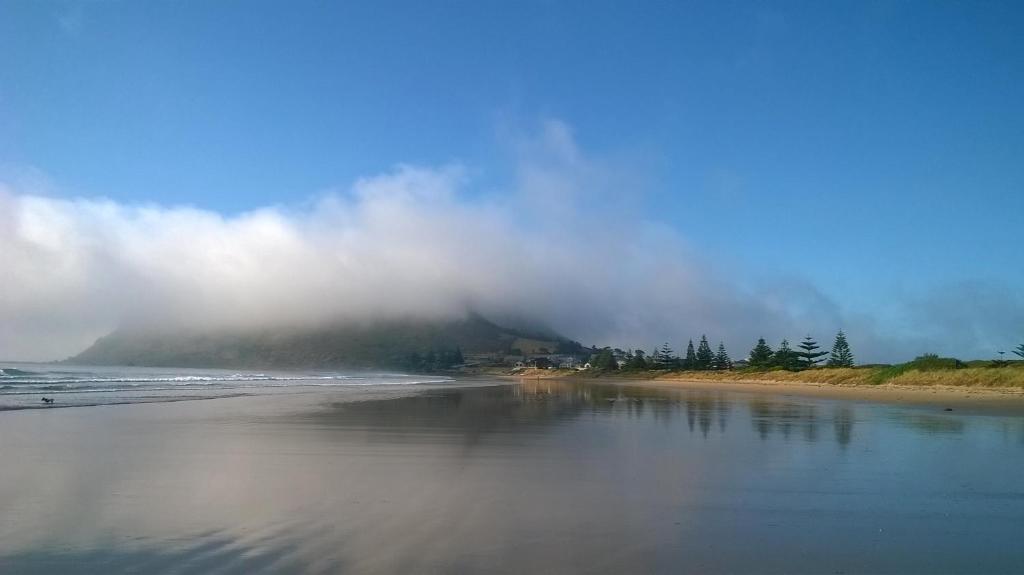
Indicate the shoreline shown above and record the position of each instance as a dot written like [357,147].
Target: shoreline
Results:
[1004,401]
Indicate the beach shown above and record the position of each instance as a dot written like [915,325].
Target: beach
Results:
[491,476]
[973,400]
[992,400]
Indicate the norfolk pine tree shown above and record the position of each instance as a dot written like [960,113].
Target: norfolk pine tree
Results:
[761,355]
[704,358]
[841,355]
[722,361]
[784,357]
[690,361]
[666,357]
[809,356]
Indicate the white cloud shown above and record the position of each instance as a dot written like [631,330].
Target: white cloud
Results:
[562,249]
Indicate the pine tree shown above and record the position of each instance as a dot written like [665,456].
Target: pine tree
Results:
[1020,350]
[841,355]
[721,360]
[704,357]
[761,355]
[784,357]
[809,356]
[666,357]
[690,361]
[637,361]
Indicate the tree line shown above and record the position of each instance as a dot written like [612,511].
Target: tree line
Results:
[808,354]
[431,361]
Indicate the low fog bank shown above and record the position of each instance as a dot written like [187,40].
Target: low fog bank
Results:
[562,250]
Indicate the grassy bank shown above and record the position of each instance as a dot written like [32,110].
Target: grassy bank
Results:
[902,375]
[922,372]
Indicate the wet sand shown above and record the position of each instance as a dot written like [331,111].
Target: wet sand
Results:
[979,400]
[538,477]
[973,400]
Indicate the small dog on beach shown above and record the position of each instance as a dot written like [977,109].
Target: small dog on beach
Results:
[47,400]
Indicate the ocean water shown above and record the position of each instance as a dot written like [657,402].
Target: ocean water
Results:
[24,385]
[539,477]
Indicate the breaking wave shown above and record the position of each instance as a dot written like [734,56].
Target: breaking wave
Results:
[23,387]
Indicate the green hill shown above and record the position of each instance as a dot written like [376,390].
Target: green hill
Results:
[404,344]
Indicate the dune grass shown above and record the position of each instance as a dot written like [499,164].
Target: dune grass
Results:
[1004,377]
[924,371]
[915,373]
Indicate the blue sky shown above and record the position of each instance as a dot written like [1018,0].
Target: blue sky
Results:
[875,150]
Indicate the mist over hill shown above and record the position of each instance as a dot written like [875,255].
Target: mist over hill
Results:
[414,344]
[565,244]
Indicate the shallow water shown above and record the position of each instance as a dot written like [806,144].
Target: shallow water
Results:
[548,477]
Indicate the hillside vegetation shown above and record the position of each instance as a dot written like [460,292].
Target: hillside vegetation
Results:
[414,345]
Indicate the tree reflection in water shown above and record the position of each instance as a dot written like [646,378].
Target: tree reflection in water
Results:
[842,419]
[784,417]
[702,407]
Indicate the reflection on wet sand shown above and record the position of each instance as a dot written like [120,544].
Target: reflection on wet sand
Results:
[842,418]
[932,424]
[1012,431]
[784,417]
[544,477]
[204,553]
[474,412]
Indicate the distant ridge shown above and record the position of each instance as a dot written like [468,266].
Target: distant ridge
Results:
[382,344]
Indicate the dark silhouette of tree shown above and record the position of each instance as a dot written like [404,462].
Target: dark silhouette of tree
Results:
[1020,350]
[666,358]
[704,358]
[843,423]
[604,360]
[841,355]
[637,361]
[784,357]
[809,356]
[690,361]
[433,360]
[721,360]
[761,355]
